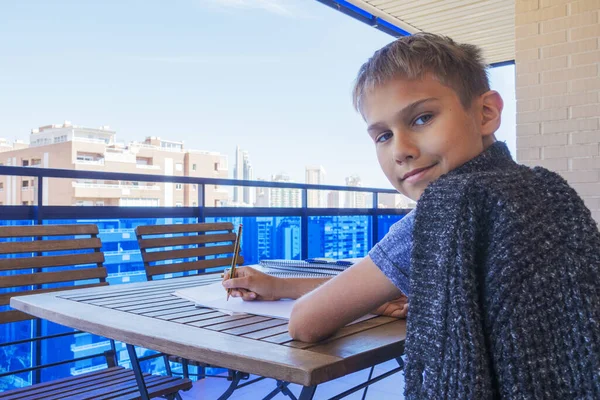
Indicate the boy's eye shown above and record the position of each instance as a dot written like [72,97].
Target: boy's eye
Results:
[383,137]
[423,119]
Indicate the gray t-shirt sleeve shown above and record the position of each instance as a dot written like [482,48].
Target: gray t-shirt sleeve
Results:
[392,253]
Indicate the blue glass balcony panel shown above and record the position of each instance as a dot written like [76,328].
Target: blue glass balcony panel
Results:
[267,237]
[384,224]
[339,236]
[17,356]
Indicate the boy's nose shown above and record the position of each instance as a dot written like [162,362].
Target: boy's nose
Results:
[404,149]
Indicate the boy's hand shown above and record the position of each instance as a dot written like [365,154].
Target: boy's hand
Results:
[250,284]
[397,308]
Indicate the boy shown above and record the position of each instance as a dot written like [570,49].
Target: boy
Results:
[504,260]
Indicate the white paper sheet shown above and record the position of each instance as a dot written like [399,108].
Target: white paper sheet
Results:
[215,296]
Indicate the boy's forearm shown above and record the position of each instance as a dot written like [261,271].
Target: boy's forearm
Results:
[294,288]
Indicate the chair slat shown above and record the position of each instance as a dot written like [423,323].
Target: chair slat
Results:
[40,387]
[49,245]
[51,261]
[185,240]
[14,316]
[191,266]
[186,253]
[48,230]
[5,298]
[182,228]
[52,277]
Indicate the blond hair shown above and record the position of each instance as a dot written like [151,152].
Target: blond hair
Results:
[458,66]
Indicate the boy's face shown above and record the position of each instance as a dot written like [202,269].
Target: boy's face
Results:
[421,131]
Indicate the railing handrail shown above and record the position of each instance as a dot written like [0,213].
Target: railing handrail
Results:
[101,175]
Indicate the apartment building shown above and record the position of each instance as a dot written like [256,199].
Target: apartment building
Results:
[72,147]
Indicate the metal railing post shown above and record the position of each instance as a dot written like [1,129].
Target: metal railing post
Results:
[39,220]
[375,220]
[304,226]
[201,202]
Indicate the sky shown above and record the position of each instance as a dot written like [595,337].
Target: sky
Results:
[272,76]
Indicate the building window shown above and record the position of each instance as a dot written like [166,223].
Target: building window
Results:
[194,187]
[193,167]
[1,186]
[179,204]
[60,139]
[25,163]
[25,185]
[195,204]
[178,167]
[216,166]
[178,186]
[25,203]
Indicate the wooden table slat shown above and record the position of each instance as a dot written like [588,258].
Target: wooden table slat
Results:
[123,293]
[242,330]
[280,339]
[237,323]
[199,317]
[219,319]
[267,332]
[138,308]
[170,315]
[118,302]
[158,285]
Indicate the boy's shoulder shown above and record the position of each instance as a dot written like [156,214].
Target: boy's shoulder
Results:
[515,180]
[518,189]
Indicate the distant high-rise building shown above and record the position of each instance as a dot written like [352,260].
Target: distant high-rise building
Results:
[263,196]
[395,200]
[354,199]
[316,176]
[333,199]
[284,197]
[242,170]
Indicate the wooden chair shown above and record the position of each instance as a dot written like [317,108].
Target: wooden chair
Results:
[52,258]
[184,248]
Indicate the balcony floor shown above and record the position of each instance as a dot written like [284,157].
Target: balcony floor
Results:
[389,388]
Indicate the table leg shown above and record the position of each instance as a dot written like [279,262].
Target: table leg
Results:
[400,362]
[283,388]
[307,392]
[237,375]
[139,377]
[364,396]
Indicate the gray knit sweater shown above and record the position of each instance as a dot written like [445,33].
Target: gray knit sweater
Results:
[505,286]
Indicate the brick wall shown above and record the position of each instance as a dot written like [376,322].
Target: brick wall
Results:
[558,91]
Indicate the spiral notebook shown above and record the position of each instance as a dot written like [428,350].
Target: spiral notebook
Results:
[313,265]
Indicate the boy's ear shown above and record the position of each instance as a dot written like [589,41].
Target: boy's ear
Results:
[491,112]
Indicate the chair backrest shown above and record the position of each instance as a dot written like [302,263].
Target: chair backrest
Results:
[168,249]
[47,254]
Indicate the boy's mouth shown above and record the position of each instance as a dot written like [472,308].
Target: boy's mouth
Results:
[416,174]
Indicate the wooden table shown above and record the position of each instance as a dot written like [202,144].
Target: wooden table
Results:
[147,314]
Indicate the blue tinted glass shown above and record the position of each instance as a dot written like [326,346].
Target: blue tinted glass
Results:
[384,224]
[267,237]
[17,356]
[339,236]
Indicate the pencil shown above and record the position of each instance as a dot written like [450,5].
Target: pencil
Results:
[236,249]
